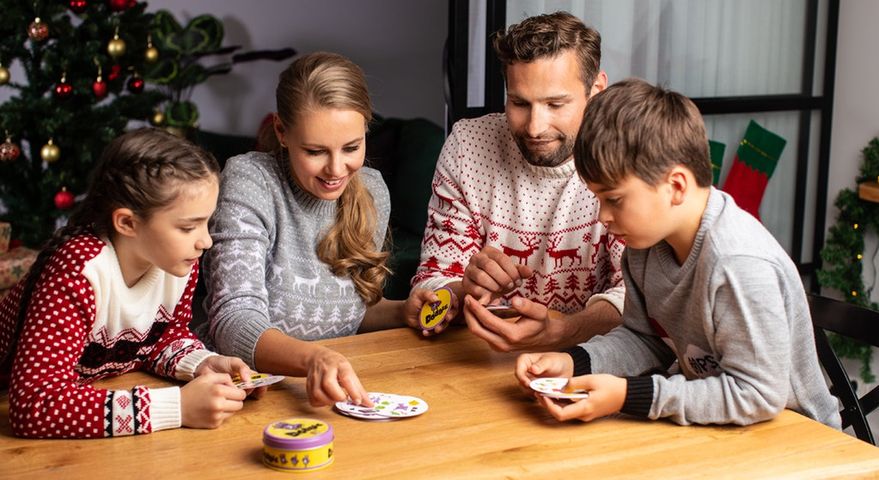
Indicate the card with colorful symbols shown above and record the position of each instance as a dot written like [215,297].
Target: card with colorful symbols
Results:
[385,406]
[435,314]
[556,388]
[258,380]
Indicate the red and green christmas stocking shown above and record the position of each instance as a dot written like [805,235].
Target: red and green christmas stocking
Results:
[716,150]
[755,160]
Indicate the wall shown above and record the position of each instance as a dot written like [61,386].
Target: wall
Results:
[855,119]
[398,43]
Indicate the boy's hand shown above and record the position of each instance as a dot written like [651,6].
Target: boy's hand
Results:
[233,366]
[208,400]
[331,379]
[535,365]
[538,328]
[416,301]
[607,393]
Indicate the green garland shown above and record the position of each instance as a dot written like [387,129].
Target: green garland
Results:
[842,255]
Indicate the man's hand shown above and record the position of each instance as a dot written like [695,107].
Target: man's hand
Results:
[537,329]
[491,274]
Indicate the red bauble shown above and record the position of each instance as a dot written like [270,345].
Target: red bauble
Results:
[64,199]
[99,88]
[78,6]
[9,151]
[63,90]
[121,5]
[115,71]
[37,30]
[135,84]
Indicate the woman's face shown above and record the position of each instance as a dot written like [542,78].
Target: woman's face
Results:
[326,146]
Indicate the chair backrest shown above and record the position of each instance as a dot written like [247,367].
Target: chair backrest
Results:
[858,323]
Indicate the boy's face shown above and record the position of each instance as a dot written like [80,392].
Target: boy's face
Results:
[635,211]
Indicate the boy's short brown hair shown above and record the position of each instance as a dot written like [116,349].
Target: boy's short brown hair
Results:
[635,128]
[549,35]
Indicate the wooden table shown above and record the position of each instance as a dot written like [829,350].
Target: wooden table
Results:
[480,425]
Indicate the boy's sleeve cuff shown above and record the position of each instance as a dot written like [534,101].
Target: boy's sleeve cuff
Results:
[639,396]
[582,360]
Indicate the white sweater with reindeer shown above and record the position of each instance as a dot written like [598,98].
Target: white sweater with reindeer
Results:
[263,271]
[485,193]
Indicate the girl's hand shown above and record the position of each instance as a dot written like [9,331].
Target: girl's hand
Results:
[233,366]
[331,379]
[607,393]
[536,365]
[420,297]
[208,400]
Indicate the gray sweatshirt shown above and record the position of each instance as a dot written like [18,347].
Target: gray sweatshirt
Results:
[727,336]
[263,271]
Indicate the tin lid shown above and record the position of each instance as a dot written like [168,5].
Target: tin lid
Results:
[297,434]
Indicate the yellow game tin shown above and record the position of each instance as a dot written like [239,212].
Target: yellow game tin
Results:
[298,445]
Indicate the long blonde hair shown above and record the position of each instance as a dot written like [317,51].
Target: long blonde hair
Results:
[329,80]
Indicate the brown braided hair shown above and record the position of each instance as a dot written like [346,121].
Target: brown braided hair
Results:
[142,170]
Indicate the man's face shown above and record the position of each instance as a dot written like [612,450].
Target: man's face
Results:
[545,103]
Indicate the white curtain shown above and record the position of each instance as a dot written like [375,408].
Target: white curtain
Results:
[709,48]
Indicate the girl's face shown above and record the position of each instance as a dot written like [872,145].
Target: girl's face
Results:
[174,237]
[326,147]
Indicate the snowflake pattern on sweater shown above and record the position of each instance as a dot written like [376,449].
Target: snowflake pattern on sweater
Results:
[81,327]
[486,194]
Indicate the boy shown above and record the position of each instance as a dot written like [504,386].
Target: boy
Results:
[716,326]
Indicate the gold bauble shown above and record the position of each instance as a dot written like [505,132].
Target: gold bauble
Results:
[116,47]
[151,55]
[158,118]
[4,75]
[50,152]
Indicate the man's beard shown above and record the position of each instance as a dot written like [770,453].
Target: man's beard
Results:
[552,159]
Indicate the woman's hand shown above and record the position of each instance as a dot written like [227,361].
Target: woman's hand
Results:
[331,379]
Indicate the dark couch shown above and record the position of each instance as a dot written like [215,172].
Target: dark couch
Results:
[405,152]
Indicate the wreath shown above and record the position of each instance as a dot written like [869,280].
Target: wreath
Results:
[843,254]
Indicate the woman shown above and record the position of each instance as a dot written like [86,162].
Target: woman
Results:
[298,234]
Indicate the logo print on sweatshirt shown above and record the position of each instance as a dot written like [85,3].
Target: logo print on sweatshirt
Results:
[700,363]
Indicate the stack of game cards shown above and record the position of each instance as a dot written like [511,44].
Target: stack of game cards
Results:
[557,388]
[257,380]
[386,406]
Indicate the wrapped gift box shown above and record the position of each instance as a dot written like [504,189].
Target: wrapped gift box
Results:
[14,264]
[5,233]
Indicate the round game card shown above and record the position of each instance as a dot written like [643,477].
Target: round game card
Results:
[386,406]
[554,388]
[258,380]
[434,314]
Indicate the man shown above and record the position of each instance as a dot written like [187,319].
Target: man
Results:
[508,219]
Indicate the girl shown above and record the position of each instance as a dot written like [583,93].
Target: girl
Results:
[299,232]
[111,293]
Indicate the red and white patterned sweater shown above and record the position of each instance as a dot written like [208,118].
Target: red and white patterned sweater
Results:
[83,324]
[486,193]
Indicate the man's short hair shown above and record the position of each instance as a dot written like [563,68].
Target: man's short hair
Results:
[634,128]
[549,35]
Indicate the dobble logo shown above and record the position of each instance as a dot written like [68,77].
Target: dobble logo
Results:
[433,314]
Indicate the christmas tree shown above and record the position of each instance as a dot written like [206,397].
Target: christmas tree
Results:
[83,62]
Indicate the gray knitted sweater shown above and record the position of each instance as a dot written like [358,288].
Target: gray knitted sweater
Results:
[263,271]
[731,324]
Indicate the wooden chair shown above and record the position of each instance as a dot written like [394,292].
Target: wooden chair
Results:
[861,324]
